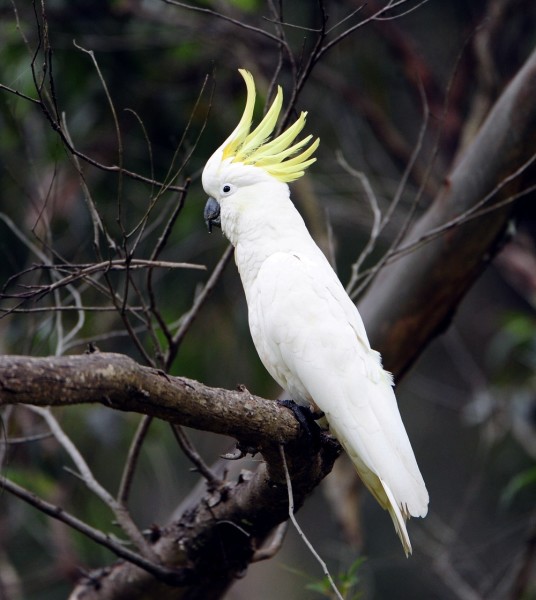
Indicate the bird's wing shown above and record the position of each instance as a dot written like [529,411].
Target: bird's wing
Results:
[310,330]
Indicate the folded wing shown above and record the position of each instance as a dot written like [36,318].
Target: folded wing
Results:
[311,339]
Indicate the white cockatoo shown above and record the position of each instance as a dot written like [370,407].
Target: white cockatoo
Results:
[307,331]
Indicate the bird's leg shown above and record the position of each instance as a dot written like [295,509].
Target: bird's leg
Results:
[307,420]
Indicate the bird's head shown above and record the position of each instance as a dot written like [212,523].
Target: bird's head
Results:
[250,158]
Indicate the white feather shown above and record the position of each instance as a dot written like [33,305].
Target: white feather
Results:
[313,343]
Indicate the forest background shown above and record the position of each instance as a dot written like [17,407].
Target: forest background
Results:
[422,197]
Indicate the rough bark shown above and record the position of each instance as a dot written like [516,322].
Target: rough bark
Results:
[119,382]
[211,544]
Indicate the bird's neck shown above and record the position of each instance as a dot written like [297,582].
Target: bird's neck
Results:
[261,233]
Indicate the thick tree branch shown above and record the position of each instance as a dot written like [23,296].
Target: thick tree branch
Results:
[217,539]
[414,298]
[118,382]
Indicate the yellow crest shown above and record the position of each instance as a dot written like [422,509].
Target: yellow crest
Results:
[278,156]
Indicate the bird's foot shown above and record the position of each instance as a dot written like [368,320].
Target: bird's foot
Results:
[307,420]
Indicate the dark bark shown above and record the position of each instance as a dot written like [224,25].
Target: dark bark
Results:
[211,544]
[118,382]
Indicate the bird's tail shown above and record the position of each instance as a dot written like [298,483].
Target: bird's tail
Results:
[399,519]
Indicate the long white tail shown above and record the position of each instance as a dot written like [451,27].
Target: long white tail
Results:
[399,520]
[376,441]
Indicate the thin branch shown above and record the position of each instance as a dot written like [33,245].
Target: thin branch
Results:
[284,51]
[189,317]
[65,339]
[411,163]
[401,14]
[98,225]
[306,69]
[299,529]
[347,18]
[396,200]
[171,576]
[374,16]
[172,176]
[120,513]
[19,94]
[376,219]
[14,441]
[213,13]
[109,335]
[160,245]
[132,459]
[466,217]
[282,23]
[83,271]
[118,135]
[200,466]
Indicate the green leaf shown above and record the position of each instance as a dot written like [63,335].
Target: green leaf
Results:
[517,484]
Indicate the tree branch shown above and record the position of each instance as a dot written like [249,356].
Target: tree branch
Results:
[118,382]
[413,299]
[218,538]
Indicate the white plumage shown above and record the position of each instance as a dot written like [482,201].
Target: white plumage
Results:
[307,331]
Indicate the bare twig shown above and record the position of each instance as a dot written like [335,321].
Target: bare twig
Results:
[443,566]
[82,271]
[190,316]
[299,529]
[111,104]
[162,241]
[120,513]
[383,17]
[14,441]
[132,459]
[376,14]
[98,225]
[352,289]
[172,576]
[376,219]
[51,309]
[213,13]
[200,466]
[19,94]
[466,217]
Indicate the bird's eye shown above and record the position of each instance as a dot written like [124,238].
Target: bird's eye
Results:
[226,188]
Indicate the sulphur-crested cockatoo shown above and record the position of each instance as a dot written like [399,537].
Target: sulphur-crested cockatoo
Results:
[307,331]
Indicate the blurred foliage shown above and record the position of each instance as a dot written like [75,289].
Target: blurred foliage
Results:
[170,76]
[347,583]
[512,353]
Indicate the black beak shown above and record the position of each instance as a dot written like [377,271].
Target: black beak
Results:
[212,214]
